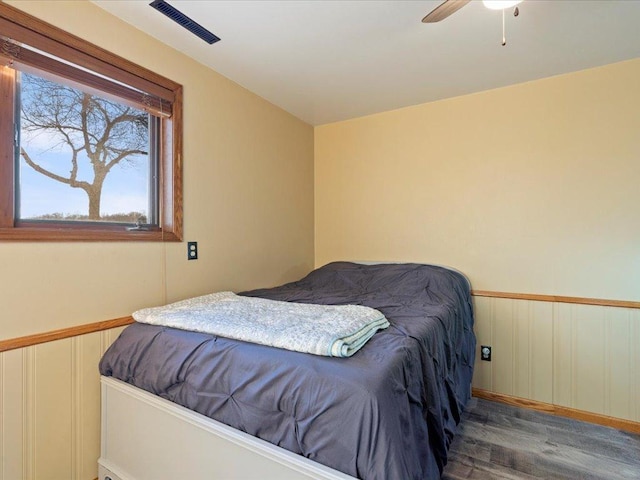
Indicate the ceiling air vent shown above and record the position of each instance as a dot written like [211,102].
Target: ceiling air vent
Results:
[180,18]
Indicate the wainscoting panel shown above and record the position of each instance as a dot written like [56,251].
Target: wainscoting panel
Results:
[12,439]
[483,310]
[585,357]
[50,409]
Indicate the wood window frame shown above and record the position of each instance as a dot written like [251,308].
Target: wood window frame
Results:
[23,28]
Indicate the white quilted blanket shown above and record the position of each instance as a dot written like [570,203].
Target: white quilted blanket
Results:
[330,330]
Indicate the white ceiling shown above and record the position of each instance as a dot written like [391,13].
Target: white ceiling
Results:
[325,61]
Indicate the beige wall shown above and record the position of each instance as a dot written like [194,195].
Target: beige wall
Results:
[248,201]
[527,189]
[531,188]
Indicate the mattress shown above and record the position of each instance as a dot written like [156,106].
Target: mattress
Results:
[388,412]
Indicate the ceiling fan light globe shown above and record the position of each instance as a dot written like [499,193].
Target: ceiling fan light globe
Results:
[500,4]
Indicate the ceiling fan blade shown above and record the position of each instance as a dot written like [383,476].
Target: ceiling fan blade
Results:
[443,10]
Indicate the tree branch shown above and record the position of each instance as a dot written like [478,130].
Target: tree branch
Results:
[86,99]
[44,171]
[123,155]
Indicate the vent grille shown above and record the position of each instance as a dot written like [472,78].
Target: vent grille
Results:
[180,18]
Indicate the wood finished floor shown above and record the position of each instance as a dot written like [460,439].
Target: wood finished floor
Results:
[497,441]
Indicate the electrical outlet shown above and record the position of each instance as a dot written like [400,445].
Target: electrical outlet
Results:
[192,250]
[485,353]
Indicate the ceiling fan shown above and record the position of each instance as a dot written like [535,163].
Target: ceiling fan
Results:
[449,7]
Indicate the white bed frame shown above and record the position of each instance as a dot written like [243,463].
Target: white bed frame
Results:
[145,437]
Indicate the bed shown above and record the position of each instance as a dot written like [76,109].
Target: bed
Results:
[182,404]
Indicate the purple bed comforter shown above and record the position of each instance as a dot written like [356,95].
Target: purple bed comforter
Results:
[389,412]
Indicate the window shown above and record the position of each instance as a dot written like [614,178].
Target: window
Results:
[90,143]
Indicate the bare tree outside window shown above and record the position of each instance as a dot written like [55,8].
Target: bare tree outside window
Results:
[91,135]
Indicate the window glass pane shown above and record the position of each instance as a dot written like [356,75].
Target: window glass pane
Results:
[82,157]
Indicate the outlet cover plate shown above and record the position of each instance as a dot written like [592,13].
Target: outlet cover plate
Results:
[192,250]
